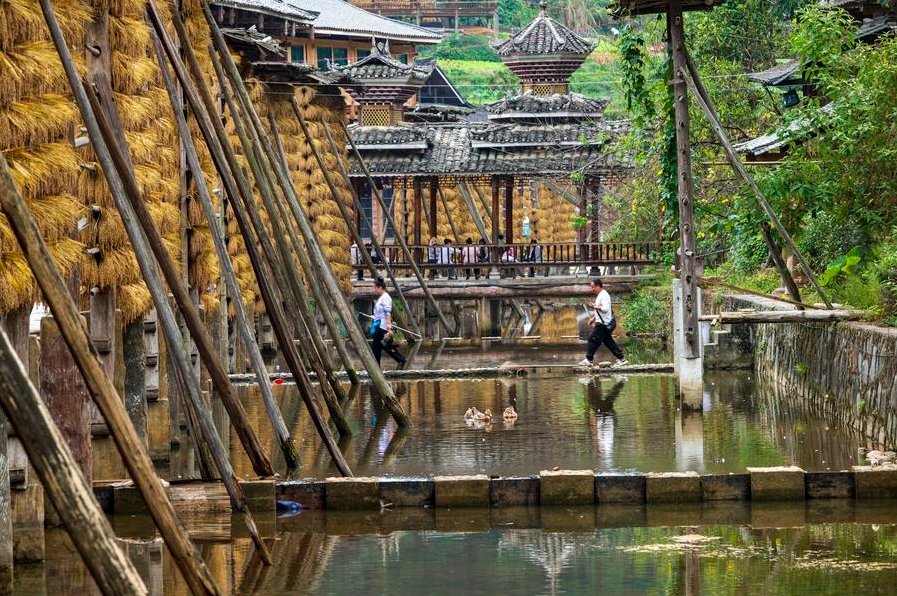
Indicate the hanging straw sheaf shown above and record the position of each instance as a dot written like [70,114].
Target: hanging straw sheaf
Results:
[130,33]
[37,120]
[131,74]
[138,111]
[56,216]
[22,21]
[31,69]
[133,300]
[17,286]
[47,169]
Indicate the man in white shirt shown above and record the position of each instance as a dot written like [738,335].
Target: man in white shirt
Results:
[381,328]
[604,324]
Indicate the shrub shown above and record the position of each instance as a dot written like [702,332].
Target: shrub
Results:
[649,311]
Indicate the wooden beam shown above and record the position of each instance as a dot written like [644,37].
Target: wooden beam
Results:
[495,209]
[784,316]
[509,211]
[448,215]
[776,253]
[433,215]
[472,209]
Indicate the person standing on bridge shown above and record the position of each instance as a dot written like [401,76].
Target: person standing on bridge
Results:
[603,326]
[381,328]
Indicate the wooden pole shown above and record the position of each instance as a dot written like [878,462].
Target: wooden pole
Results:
[448,215]
[472,209]
[689,274]
[105,116]
[363,251]
[244,326]
[151,276]
[784,316]
[495,222]
[483,201]
[280,226]
[703,101]
[400,237]
[509,210]
[432,217]
[418,221]
[776,253]
[237,188]
[6,538]
[101,388]
[330,318]
[63,481]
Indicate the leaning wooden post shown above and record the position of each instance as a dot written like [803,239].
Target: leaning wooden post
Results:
[448,215]
[281,229]
[703,100]
[201,102]
[6,539]
[776,253]
[105,116]
[151,276]
[357,237]
[472,209]
[63,480]
[284,439]
[400,237]
[101,389]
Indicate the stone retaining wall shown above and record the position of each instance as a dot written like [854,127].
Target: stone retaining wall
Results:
[847,372]
[584,487]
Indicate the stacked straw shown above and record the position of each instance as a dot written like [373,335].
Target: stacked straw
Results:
[37,120]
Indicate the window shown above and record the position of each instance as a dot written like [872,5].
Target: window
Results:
[403,58]
[362,54]
[336,56]
[297,54]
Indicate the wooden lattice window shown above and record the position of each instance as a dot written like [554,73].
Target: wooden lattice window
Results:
[375,116]
[542,89]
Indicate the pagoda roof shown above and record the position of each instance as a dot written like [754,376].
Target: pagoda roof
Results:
[543,107]
[544,36]
[469,150]
[381,67]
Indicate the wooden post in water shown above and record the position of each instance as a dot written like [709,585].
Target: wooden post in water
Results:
[238,190]
[63,479]
[284,439]
[135,376]
[103,392]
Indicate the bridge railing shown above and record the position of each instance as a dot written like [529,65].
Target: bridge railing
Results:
[546,258]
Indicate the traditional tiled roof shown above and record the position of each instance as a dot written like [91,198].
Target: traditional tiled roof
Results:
[875,27]
[394,137]
[556,106]
[381,66]
[784,74]
[476,150]
[252,38]
[432,112]
[297,73]
[284,9]
[624,8]
[544,36]
[338,17]
[795,131]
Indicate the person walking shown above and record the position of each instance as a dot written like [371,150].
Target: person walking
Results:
[381,327]
[603,326]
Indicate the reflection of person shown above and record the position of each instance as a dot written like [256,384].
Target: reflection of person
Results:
[603,419]
[603,325]
[381,328]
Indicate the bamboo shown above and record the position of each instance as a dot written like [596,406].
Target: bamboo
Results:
[330,319]
[284,439]
[357,237]
[237,188]
[135,456]
[399,236]
[697,86]
[105,119]
[154,283]
[280,223]
[63,481]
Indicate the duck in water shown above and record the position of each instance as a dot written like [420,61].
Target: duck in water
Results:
[510,414]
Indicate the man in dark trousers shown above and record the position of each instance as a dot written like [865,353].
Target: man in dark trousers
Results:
[381,328]
[604,324]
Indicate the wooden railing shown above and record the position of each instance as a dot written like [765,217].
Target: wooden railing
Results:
[550,258]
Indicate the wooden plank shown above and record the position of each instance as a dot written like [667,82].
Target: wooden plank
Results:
[784,316]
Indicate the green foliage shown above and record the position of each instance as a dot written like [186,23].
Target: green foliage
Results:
[633,59]
[648,311]
[461,46]
[480,82]
[886,273]
[821,36]
[845,265]
[745,32]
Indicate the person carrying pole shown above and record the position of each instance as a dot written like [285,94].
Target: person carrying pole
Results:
[381,327]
